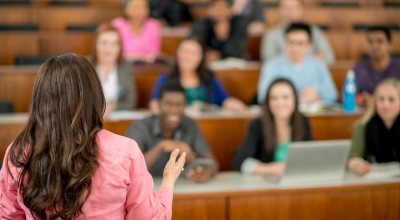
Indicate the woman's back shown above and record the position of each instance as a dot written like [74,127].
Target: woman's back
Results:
[63,165]
[120,160]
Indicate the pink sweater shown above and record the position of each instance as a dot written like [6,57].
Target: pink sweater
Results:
[122,186]
[147,43]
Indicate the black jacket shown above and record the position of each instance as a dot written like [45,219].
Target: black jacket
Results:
[234,46]
[253,145]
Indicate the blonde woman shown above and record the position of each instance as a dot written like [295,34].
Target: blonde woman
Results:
[376,138]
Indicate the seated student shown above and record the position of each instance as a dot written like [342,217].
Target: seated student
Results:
[115,73]
[221,33]
[379,66]
[141,35]
[199,82]
[265,147]
[273,41]
[172,12]
[158,135]
[310,76]
[376,138]
[64,165]
[253,12]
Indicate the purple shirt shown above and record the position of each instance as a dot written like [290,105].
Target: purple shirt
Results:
[367,78]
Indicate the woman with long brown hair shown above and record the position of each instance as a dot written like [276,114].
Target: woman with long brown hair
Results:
[265,148]
[200,84]
[115,73]
[64,165]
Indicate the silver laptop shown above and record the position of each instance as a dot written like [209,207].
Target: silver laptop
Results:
[316,161]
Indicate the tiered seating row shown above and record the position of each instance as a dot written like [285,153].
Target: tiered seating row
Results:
[347,45]
[16,83]
[342,3]
[59,17]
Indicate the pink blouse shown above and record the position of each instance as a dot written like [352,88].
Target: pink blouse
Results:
[148,42]
[122,187]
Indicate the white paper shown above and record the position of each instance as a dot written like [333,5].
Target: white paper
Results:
[127,115]
[318,106]
[228,63]
[384,170]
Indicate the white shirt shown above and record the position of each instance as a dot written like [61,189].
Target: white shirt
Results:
[110,84]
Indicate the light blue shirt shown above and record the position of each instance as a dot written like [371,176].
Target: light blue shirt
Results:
[312,72]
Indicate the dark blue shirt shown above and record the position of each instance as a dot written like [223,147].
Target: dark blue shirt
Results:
[216,93]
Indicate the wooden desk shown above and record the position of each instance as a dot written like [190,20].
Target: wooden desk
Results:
[16,83]
[224,131]
[233,196]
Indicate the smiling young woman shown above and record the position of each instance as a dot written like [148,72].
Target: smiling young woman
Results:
[265,147]
[376,138]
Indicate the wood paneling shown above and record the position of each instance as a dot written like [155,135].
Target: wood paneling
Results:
[224,137]
[356,203]
[16,15]
[340,127]
[16,88]
[8,133]
[57,18]
[241,84]
[145,76]
[13,44]
[70,42]
[199,209]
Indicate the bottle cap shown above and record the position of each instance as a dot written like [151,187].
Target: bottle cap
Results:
[351,74]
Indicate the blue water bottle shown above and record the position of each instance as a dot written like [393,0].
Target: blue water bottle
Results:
[349,99]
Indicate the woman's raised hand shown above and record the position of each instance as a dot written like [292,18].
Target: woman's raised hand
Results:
[173,169]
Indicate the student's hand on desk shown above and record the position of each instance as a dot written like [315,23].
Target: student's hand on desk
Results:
[270,169]
[234,104]
[199,175]
[359,167]
[309,95]
[170,145]
[213,55]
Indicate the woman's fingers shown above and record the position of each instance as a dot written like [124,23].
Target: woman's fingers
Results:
[173,156]
[181,161]
[362,169]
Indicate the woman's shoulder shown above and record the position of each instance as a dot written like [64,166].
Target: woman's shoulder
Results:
[120,22]
[360,127]
[114,144]
[256,125]
[162,77]
[125,66]
[214,80]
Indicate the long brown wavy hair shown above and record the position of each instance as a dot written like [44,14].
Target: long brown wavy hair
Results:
[268,122]
[205,75]
[57,151]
